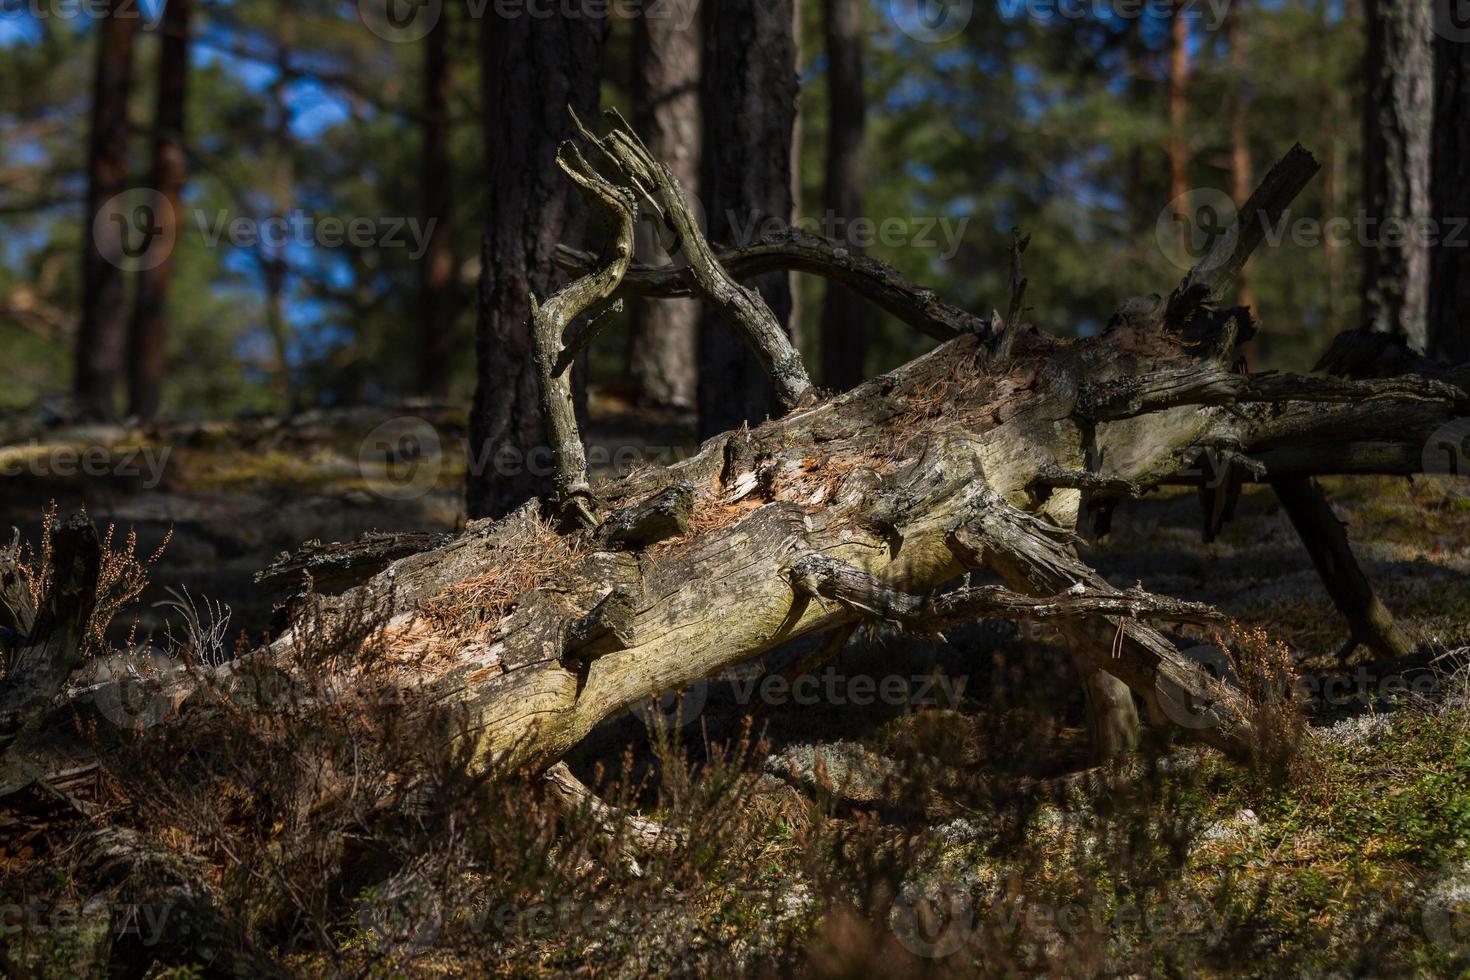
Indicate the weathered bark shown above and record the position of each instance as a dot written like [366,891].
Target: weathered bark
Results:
[533,68]
[148,336]
[844,314]
[330,567]
[748,101]
[102,334]
[1449,295]
[1398,68]
[662,349]
[437,280]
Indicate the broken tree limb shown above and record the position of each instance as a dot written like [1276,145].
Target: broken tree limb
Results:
[662,516]
[1220,268]
[742,307]
[868,596]
[333,566]
[634,836]
[573,498]
[1037,560]
[1326,541]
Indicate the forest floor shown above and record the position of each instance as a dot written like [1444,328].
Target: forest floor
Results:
[914,803]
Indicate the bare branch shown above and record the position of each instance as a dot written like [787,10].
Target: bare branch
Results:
[743,307]
[868,596]
[794,250]
[1030,557]
[550,320]
[1208,281]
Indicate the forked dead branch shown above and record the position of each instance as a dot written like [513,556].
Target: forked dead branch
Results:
[985,453]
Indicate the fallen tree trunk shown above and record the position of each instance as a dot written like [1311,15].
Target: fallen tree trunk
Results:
[977,455]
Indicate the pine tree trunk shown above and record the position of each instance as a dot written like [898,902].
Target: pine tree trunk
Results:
[1398,69]
[1449,298]
[149,335]
[749,104]
[436,266]
[844,314]
[662,351]
[103,331]
[1178,148]
[533,68]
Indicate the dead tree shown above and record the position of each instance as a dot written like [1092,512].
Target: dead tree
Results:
[978,455]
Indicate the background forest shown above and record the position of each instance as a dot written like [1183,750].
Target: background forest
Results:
[1055,118]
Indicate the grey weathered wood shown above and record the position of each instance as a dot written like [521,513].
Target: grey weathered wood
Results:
[744,308]
[664,515]
[572,495]
[331,566]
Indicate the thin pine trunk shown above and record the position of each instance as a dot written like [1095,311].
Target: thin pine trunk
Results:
[102,335]
[844,314]
[749,96]
[148,338]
